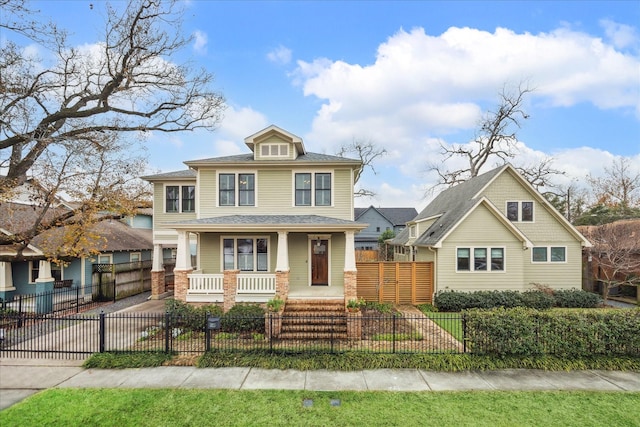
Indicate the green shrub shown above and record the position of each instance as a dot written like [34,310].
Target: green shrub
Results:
[537,299]
[243,318]
[382,307]
[190,317]
[576,298]
[563,333]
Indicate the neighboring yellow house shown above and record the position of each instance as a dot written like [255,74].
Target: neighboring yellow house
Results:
[276,221]
[494,232]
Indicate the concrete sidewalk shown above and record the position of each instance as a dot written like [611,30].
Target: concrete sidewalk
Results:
[20,378]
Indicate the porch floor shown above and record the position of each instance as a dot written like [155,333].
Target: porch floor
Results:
[317,292]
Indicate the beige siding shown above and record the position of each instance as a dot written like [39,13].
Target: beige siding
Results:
[561,275]
[337,259]
[211,250]
[273,140]
[275,194]
[206,192]
[298,261]
[481,229]
[160,217]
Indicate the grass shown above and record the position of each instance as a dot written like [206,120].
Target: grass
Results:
[162,407]
[450,322]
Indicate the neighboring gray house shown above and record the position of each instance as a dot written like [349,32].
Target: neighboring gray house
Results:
[380,220]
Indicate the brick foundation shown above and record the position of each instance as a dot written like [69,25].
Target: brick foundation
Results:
[230,287]
[181,284]
[354,325]
[158,286]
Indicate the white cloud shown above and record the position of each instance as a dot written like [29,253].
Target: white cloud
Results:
[280,55]
[200,41]
[621,36]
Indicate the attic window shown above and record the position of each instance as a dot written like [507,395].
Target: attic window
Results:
[274,150]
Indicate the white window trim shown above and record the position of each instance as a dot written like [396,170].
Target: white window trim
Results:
[549,261]
[412,232]
[472,264]
[235,173]
[135,253]
[310,239]
[235,253]
[520,202]
[313,188]
[179,185]
[31,278]
[278,144]
[107,255]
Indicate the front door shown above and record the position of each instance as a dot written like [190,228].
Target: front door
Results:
[319,262]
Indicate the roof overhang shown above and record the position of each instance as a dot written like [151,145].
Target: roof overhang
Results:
[267,223]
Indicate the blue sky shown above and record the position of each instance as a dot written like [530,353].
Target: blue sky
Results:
[408,76]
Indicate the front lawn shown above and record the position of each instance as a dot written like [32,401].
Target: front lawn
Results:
[161,407]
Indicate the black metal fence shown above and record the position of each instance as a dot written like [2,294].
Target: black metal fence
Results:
[61,300]
[77,336]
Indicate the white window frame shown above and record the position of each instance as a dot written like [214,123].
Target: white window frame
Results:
[180,208]
[549,260]
[270,150]
[31,278]
[236,174]
[313,173]
[489,269]
[235,239]
[520,203]
[131,254]
[412,232]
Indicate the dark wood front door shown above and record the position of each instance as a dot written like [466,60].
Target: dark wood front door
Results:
[319,262]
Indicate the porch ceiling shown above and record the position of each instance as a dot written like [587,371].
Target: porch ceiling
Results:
[309,223]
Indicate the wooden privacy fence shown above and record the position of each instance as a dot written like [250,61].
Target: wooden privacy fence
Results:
[396,282]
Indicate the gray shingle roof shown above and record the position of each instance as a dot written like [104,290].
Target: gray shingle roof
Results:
[267,220]
[181,174]
[449,207]
[396,216]
[308,157]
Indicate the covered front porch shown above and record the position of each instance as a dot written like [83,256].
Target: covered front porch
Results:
[258,258]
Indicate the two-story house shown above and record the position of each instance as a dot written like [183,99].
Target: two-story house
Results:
[277,221]
[494,232]
[380,220]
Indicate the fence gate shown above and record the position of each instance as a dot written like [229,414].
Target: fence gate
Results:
[396,282]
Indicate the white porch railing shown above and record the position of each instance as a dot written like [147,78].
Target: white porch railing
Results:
[249,287]
[205,288]
[256,284]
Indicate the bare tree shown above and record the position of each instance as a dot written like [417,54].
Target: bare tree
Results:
[64,122]
[494,141]
[620,185]
[616,254]
[125,84]
[367,152]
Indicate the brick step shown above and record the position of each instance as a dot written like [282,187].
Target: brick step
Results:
[313,314]
[320,320]
[312,336]
[315,328]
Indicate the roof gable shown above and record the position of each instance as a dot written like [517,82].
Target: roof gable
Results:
[396,216]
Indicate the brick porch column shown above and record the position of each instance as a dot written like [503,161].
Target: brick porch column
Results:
[230,286]
[350,285]
[282,284]
[158,285]
[181,283]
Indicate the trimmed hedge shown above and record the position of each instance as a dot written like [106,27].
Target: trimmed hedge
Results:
[563,333]
[458,301]
[243,318]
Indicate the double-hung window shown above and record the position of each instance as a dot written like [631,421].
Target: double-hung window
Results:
[313,189]
[520,211]
[480,259]
[549,254]
[245,253]
[244,190]
[180,198]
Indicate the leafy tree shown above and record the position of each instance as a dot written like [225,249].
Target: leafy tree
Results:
[386,253]
[72,125]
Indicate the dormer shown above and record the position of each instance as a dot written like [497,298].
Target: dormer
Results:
[274,143]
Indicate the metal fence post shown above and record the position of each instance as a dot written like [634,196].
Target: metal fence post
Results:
[77,300]
[207,333]
[270,332]
[114,287]
[167,331]
[101,331]
[464,333]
